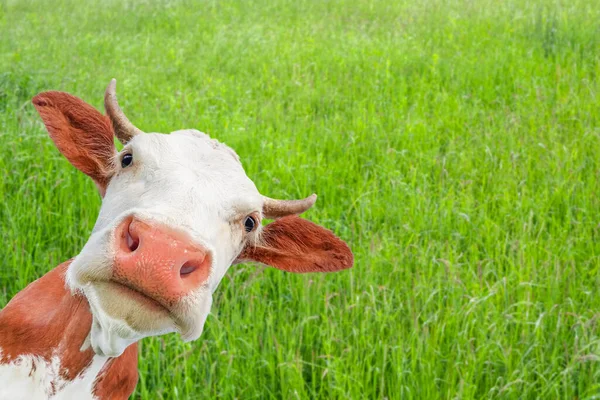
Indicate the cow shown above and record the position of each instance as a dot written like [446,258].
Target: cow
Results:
[177,211]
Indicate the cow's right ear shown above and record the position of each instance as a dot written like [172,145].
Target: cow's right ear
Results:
[294,244]
[80,132]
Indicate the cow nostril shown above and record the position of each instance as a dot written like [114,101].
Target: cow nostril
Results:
[132,242]
[187,269]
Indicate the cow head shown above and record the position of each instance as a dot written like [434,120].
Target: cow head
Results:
[177,211]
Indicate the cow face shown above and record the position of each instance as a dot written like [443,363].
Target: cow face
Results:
[178,210]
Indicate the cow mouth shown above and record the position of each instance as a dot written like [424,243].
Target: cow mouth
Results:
[139,297]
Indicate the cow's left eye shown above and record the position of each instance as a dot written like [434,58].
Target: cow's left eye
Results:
[249,223]
[126,160]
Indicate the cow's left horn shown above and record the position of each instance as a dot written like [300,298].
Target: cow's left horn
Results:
[280,208]
[124,130]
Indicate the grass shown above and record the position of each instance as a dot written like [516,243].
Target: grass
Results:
[454,145]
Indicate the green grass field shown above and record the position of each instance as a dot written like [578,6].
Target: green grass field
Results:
[454,145]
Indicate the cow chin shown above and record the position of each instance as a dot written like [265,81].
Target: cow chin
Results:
[122,317]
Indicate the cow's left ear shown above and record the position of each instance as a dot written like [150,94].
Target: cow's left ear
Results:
[294,244]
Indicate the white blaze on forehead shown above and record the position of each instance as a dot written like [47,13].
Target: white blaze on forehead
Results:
[186,178]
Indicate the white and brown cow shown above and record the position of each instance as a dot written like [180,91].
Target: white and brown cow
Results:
[177,211]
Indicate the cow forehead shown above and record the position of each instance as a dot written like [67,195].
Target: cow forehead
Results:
[194,160]
[184,177]
[189,147]
[203,145]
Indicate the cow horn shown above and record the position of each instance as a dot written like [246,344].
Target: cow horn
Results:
[124,130]
[273,208]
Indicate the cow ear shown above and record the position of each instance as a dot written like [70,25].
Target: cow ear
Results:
[80,132]
[294,244]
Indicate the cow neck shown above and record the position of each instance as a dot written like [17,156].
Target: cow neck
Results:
[46,320]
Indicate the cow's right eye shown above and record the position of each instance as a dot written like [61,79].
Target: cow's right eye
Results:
[126,160]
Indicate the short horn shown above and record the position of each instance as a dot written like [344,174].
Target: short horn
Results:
[280,208]
[124,130]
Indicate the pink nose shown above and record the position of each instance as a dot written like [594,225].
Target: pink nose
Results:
[158,262]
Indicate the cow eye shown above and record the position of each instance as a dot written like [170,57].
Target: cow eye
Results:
[126,160]
[249,224]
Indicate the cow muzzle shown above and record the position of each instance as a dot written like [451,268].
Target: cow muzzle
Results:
[158,262]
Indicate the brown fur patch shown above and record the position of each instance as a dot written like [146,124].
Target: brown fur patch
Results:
[118,378]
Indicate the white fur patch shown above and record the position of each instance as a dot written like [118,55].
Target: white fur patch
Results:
[30,377]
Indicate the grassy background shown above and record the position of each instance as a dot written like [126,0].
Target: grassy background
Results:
[454,144]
